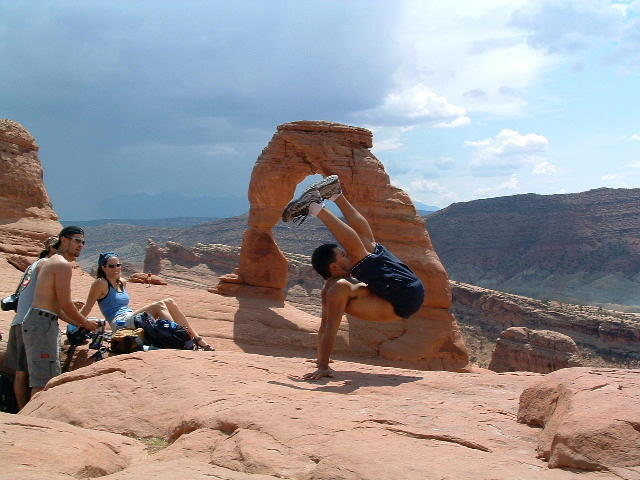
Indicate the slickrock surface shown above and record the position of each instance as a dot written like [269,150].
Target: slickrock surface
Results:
[247,413]
[590,419]
[300,149]
[578,247]
[540,351]
[604,337]
[26,215]
[39,448]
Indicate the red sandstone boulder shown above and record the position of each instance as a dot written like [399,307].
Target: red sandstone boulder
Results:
[540,351]
[27,217]
[590,418]
[147,278]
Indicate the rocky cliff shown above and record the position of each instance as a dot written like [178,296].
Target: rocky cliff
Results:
[27,217]
[604,337]
[579,248]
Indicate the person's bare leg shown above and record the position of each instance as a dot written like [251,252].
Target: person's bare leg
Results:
[344,234]
[356,221]
[168,308]
[21,388]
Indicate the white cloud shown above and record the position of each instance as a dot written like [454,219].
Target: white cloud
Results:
[510,185]
[544,168]
[416,105]
[387,138]
[473,56]
[508,151]
[548,26]
[612,176]
[615,180]
[458,122]
[426,191]
[445,163]
[636,137]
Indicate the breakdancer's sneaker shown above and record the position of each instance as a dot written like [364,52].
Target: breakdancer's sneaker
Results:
[328,187]
[297,210]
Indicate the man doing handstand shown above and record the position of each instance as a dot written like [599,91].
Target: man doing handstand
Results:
[362,277]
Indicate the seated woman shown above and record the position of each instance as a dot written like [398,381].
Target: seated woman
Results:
[112,297]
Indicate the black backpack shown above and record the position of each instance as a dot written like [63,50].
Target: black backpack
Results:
[165,333]
[8,403]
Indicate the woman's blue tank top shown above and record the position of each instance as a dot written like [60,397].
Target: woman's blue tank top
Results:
[114,303]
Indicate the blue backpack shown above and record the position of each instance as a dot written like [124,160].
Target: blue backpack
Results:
[164,333]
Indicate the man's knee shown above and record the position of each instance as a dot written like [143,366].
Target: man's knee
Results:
[168,301]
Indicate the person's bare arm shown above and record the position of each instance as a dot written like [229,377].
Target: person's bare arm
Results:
[333,306]
[62,275]
[96,291]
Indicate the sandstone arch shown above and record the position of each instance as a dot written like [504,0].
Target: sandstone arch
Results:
[300,149]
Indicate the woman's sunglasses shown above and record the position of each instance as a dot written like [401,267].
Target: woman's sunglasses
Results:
[113,265]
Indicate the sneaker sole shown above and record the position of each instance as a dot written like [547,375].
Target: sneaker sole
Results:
[297,208]
[327,187]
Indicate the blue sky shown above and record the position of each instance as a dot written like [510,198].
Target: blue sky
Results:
[468,99]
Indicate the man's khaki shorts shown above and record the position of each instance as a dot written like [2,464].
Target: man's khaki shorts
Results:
[41,337]
[16,356]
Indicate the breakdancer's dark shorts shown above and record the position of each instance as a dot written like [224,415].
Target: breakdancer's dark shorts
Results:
[389,278]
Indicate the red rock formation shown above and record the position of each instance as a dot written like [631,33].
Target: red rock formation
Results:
[147,278]
[541,351]
[301,149]
[27,217]
[590,418]
[608,337]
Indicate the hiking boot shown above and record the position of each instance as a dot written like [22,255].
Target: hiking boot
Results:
[328,187]
[298,209]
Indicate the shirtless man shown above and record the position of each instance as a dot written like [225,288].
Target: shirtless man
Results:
[362,277]
[52,298]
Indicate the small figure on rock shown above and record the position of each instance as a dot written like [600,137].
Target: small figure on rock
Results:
[109,290]
[362,277]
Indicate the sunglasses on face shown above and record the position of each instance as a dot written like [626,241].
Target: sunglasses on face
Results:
[78,240]
[114,265]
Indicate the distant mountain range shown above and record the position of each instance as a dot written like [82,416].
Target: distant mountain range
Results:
[147,222]
[176,209]
[579,247]
[172,205]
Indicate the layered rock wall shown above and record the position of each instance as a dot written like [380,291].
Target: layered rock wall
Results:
[27,217]
[301,149]
[605,337]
